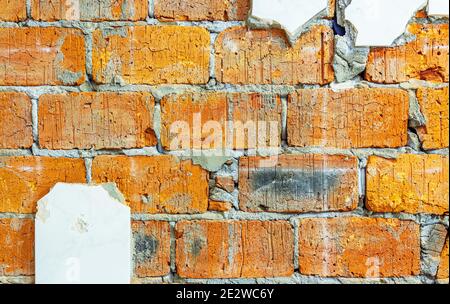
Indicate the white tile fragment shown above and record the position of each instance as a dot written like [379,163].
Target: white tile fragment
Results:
[438,7]
[290,14]
[380,22]
[83,236]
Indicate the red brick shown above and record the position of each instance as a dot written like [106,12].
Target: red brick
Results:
[359,247]
[202,10]
[298,183]
[155,184]
[353,118]
[13,10]
[152,55]
[410,183]
[89,10]
[245,56]
[32,56]
[434,106]
[225,182]
[16,125]
[234,249]
[425,58]
[96,120]
[151,248]
[17,247]
[25,180]
[243,109]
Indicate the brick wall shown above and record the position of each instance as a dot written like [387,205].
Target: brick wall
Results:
[357,192]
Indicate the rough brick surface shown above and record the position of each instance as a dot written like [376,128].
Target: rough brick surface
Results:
[425,57]
[359,247]
[13,10]
[410,183]
[33,56]
[354,118]
[244,109]
[225,182]
[17,247]
[234,249]
[201,10]
[96,120]
[434,106]
[245,56]
[151,248]
[298,183]
[443,267]
[155,184]
[89,10]
[25,180]
[219,206]
[15,126]
[151,55]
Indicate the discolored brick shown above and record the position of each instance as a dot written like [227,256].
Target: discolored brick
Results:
[443,267]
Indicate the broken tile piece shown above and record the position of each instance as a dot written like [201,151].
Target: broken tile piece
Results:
[83,236]
[379,23]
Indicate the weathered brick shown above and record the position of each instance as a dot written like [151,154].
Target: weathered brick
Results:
[33,56]
[410,183]
[89,10]
[151,248]
[24,180]
[234,249]
[245,56]
[156,184]
[225,182]
[298,183]
[425,58]
[197,110]
[17,247]
[219,206]
[16,126]
[354,118]
[202,10]
[13,10]
[96,120]
[359,247]
[151,55]
[434,106]
[443,267]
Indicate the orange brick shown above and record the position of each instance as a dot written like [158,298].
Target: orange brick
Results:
[434,106]
[13,10]
[355,118]
[25,180]
[443,267]
[96,120]
[17,247]
[359,247]
[156,184]
[424,58]
[196,110]
[152,55]
[245,56]
[151,248]
[16,127]
[298,183]
[410,183]
[234,249]
[89,10]
[202,10]
[219,206]
[225,182]
[33,56]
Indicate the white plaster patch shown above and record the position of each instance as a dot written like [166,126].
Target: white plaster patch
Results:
[290,14]
[438,7]
[83,236]
[381,22]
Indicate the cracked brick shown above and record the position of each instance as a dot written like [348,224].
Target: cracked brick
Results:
[234,249]
[353,118]
[96,120]
[155,184]
[411,183]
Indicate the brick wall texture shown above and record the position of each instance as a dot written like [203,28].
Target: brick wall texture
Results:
[354,187]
